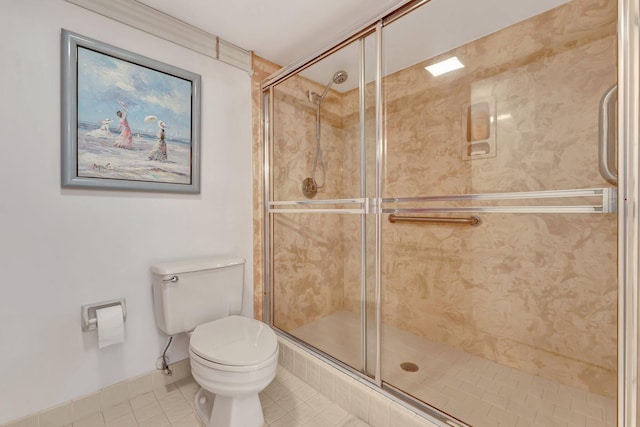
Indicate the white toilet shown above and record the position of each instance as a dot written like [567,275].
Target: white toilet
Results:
[233,358]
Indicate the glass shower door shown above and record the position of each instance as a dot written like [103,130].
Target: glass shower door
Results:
[499,280]
[320,275]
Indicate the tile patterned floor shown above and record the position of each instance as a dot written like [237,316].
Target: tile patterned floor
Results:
[171,405]
[286,402]
[477,391]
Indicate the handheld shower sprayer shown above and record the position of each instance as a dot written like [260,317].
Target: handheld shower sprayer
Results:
[339,77]
[309,185]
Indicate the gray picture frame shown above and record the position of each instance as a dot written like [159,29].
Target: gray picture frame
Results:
[134,169]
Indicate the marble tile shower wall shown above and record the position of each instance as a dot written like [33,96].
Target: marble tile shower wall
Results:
[536,292]
[309,265]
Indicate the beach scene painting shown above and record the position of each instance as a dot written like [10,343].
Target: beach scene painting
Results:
[136,121]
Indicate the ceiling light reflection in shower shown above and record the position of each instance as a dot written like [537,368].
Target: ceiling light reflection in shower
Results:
[506,116]
[445,66]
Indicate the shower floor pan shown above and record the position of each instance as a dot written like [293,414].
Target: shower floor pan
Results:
[478,391]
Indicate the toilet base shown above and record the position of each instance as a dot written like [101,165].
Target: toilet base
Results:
[221,411]
[204,404]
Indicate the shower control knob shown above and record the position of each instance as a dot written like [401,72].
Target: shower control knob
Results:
[309,188]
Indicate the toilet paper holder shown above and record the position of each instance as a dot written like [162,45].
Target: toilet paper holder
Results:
[89,317]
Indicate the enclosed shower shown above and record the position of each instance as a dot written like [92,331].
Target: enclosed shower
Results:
[455,243]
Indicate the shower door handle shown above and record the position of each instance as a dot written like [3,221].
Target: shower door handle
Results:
[607,136]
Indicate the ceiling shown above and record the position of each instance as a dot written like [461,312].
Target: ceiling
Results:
[281,31]
[286,31]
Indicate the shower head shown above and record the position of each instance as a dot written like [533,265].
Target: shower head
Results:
[338,78]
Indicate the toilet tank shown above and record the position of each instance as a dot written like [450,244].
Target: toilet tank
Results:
[192,292]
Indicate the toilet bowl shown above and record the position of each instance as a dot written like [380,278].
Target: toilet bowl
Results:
[233,359]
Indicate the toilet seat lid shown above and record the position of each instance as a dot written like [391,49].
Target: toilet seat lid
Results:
[234,340]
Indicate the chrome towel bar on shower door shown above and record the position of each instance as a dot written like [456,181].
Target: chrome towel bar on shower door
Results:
[606,202]
[472,220]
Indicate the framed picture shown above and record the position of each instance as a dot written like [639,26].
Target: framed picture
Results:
[128,122]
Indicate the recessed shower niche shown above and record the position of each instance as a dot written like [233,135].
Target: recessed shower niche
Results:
[479,124]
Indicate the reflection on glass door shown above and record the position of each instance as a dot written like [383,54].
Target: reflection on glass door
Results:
[320,273]
[499,288]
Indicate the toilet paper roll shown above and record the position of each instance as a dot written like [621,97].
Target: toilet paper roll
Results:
[110,326]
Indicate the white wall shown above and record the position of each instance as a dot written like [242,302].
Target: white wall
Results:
[60,249]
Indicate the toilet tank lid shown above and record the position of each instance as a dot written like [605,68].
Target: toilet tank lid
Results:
[195,264]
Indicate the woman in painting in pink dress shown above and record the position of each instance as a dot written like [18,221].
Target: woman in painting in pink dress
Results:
[125,140]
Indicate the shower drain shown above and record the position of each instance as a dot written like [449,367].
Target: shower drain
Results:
[409,367]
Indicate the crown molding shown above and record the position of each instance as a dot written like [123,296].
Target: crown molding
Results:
[159,24]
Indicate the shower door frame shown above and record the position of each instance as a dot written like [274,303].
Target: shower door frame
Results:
[628,194]
[628,218]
